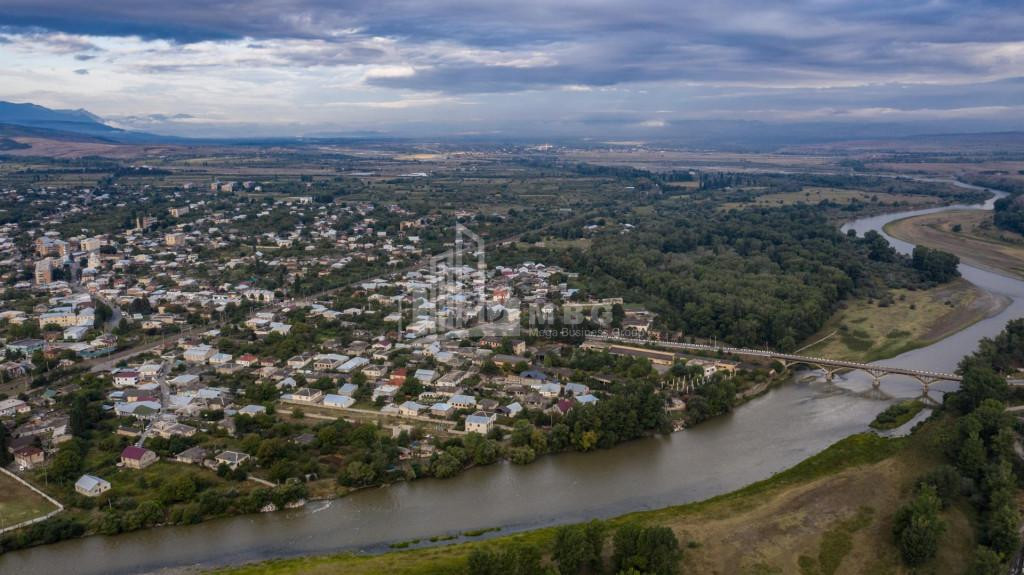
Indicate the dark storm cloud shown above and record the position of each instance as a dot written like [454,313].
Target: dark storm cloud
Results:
[643,64]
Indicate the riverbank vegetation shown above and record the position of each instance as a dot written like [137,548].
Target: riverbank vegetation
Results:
[942,500]
[897,414]
[714,535]
[869,329]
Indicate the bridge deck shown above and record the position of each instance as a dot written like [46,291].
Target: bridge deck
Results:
[822,362]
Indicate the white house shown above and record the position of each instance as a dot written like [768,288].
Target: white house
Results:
[9,407]
[335,400]
[460,401]
[479,422]
[91,486]
[353,364]
[410,408]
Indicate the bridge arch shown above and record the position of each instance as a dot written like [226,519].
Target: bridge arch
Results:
[830,371]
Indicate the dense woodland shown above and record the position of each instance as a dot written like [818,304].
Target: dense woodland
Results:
[749,277]
[1008,213]
[982,468]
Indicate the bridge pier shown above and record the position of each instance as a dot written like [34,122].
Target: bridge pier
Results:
[926,382]
[876,377]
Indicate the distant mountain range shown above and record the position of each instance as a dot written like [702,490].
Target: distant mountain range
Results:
[26,120]
[32,120]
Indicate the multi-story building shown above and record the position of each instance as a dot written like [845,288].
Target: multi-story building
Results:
[44,272]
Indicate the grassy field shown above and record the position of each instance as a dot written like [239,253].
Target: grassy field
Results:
[867,331]
[19,503]
[831,513]
[978,242]
[816,195]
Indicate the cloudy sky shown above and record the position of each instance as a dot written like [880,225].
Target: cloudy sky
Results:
[637,67]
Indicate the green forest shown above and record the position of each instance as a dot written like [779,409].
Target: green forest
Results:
[750,277]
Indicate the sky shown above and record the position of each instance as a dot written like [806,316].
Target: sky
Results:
[598,68]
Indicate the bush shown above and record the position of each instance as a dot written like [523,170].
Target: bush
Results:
[986,562]
[649,550]
[917,527]
[521,455]
[514,560]
[946,481]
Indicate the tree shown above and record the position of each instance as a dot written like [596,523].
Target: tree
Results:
[986,562]
[67,464]
[979,383]
[972,456]
[80,418]
[917,527]
[181,488]
[482,450]
[446,465]
[935,265]
[649,550]
[946,481]
[522,433]
[359,473]
[1001,529]
[521,455]
[574,550]
[5,439]
[102,315]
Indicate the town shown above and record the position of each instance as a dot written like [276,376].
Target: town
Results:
[185,352]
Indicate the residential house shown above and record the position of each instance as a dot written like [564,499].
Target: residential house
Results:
[425,376]
[387,391]
[335,400]
[410,409]
[169,429]
[135,457]
[29,456]
[444,410]
[577,389]
[231,458]
[329,361]
[353,364]
[479,422]
[252,410]
[299,361]
[513,409]
[305,395]
[91,486]
[460,401]
[11,407]
[126,378]
[193,455]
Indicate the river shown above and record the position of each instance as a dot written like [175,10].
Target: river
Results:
[760,438]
